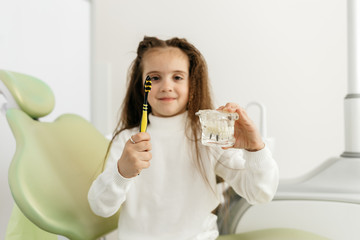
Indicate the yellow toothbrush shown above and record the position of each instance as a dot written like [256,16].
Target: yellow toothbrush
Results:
[144,120]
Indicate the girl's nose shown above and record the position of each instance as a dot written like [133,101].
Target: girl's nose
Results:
[166,85]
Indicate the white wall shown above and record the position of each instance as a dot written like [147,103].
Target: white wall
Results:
[288,54]
[49,39]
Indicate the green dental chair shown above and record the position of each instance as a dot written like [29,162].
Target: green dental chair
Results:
[54,166]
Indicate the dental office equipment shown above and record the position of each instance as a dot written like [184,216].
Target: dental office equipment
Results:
[325,201]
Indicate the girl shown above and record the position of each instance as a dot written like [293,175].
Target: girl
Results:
[164,180]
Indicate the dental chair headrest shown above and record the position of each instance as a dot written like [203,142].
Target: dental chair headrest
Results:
[32,95]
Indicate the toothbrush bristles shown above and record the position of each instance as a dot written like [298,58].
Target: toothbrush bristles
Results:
[147,85]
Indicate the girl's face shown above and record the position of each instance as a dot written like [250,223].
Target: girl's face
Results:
[169,70]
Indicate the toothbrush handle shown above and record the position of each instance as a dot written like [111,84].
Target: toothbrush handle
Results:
[144,121]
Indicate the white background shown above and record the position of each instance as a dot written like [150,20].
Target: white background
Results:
[288,54]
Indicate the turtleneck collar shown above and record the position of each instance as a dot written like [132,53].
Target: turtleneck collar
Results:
[168,124]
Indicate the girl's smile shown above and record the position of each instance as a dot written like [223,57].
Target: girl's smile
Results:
[167,99]
[169,71]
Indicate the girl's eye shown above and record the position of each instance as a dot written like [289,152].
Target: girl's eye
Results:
[178,78]
[154,78]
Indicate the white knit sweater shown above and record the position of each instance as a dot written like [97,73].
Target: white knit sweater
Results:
[170,199]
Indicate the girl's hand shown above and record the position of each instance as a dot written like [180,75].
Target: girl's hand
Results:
[246,135]
[136,155]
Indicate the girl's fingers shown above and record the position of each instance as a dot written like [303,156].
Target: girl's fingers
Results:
[142,162]
[143,146]
[145,157]
[243,115]
[234,107]
[230,107]
[132,161]
[246,133]
[145,164]
[139,137]
[140,142]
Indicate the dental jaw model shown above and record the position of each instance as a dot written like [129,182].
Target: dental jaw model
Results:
[217,127]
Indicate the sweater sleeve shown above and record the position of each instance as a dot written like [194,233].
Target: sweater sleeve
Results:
[252,175]
[108,191]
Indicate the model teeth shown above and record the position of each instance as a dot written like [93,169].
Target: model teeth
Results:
[217,127]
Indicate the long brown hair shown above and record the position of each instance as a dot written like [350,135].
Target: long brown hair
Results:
[199,89]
